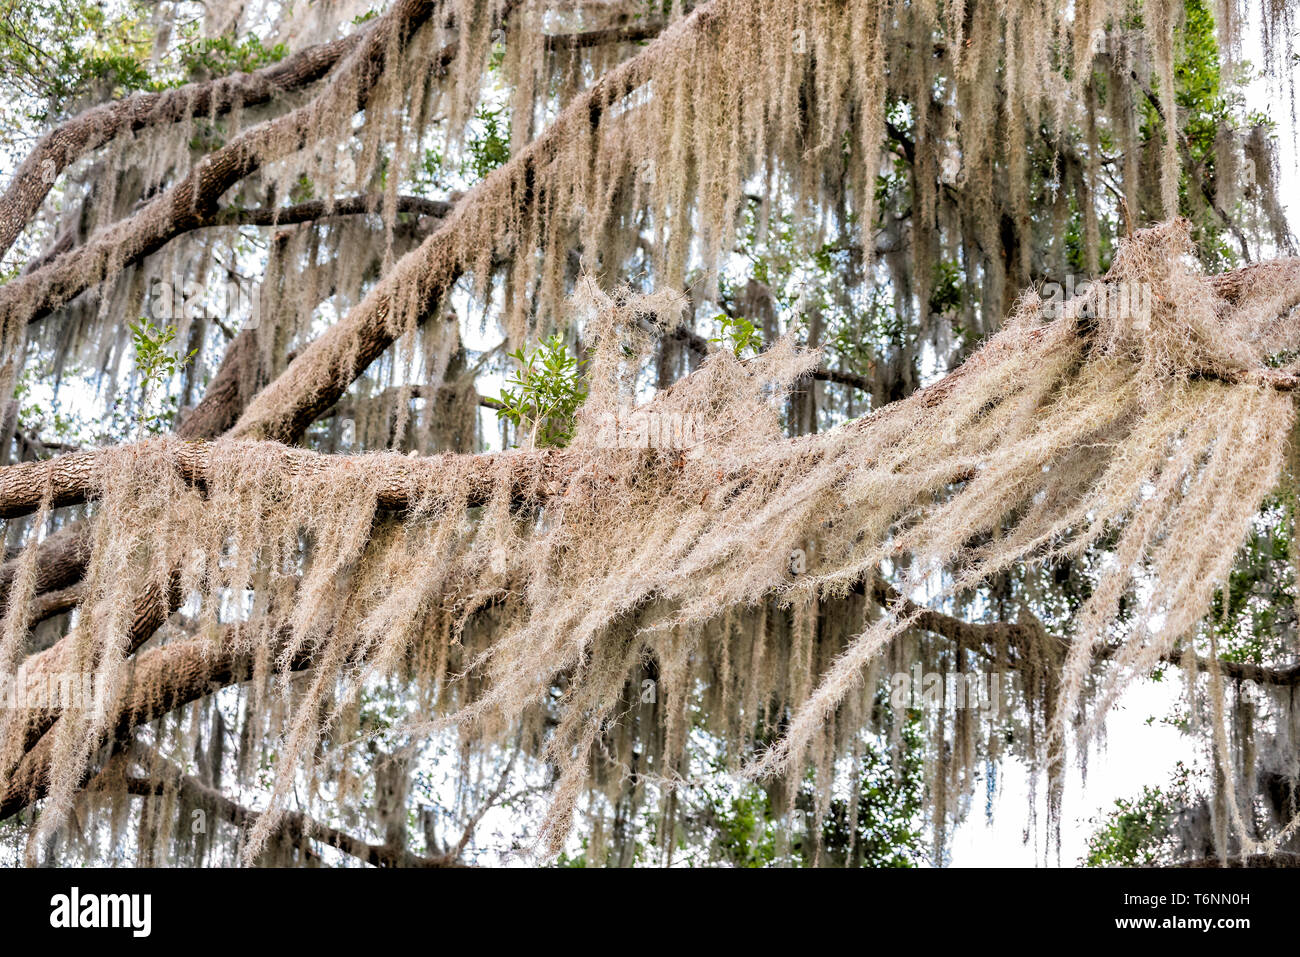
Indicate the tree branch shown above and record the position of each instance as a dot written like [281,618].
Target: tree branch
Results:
[163,679]
[293,825]
[190,203]
[98,125]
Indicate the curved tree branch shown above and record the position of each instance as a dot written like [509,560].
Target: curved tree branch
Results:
[94,127]
[192,202]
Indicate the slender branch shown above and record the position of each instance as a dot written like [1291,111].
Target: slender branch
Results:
[315,209]
[294,825]
[1193,168]
[637,33]
[982,636]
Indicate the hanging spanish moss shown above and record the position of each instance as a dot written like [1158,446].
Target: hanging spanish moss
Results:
[1140,424]
[727,562]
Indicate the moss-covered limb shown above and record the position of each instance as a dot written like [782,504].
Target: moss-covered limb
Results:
[98,125]
[61,556]
[284,410]
[1273,285]
[151,610]
[227,394]
[74,479]
[305,212]
[192,202]
[67,483]
[47,604]
[164,678]
[60,562]
[401,480]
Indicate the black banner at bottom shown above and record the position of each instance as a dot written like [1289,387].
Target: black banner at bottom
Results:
[218,909]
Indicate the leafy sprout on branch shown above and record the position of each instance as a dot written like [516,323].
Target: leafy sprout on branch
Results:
[156,365]
[739,334]
[542,398]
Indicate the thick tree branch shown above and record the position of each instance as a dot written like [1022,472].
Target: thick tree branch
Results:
[192,202]
[163,679]
[96,126]
[305,212]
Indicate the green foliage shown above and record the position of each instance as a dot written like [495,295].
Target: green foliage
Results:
[1138,833]
[155,365]
[1255,613]
[429,174]
[302,189]
[889,796]
[203,57]
[489,147]
[44,421]
[888,831]
[857,336]
[577,861]
[790,259]
[1198,83]
[542,398]
[1207,104]
[946,287]
[746,831]
[738,334]
[808,276]
[57,53]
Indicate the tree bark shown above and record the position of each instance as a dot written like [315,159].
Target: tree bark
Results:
[93,128]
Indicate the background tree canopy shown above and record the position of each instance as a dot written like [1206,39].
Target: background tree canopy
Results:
[613,432]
